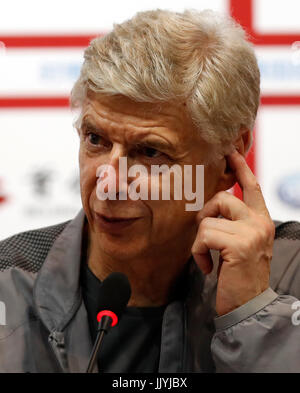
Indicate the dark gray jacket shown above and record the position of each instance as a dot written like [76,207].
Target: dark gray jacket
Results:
[44,326]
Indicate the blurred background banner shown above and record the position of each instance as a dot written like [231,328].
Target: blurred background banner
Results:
[41,51]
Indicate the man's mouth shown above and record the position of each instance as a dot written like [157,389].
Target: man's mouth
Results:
[114,218]
[114,223]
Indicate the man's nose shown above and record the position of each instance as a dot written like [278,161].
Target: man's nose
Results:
[115,174]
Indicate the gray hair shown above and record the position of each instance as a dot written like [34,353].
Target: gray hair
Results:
[200,58]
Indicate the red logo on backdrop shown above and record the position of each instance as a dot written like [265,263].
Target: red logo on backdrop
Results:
[3,197]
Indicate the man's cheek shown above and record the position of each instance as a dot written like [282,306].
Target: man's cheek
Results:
[166,216]
[87,179]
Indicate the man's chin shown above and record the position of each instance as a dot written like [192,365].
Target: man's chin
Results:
[120,247]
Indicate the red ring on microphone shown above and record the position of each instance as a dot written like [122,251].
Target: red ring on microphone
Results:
[110,314]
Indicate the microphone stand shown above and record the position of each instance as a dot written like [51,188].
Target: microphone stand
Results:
[103,327]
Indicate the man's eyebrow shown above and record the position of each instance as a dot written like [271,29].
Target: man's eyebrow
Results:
[158,144]
[87,123]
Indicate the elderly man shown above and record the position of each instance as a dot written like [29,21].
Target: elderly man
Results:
[167,89]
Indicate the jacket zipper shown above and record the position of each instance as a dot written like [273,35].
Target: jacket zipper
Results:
[57,344]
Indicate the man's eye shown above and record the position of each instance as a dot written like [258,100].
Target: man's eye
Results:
[94,138]
[150,152]
[98,140]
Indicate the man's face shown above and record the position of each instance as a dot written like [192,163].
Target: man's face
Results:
[146,134]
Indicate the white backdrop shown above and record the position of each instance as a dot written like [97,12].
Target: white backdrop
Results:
[38,147]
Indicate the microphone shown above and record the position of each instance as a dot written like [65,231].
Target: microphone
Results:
[114,295]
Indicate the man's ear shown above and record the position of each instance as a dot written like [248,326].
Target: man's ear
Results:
[243,141]
[227,178]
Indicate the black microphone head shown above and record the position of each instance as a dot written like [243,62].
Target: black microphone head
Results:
[114,293]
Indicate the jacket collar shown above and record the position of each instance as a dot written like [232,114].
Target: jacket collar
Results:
[57,293]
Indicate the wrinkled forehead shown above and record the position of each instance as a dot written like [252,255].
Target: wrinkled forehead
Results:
[119,113]
[145,110]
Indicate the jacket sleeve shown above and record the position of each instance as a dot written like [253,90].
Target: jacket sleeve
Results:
[262,335]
